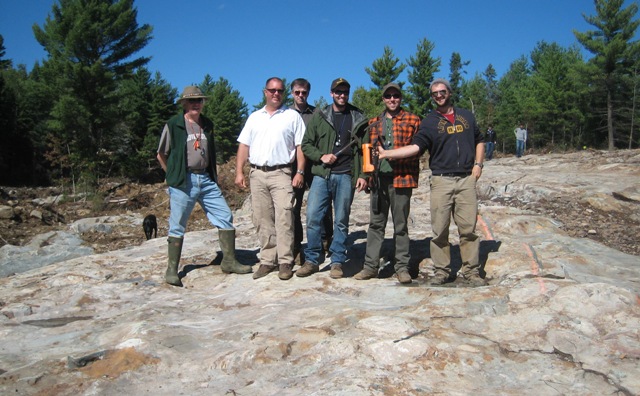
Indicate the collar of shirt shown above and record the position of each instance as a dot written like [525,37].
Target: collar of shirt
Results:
[280,109]
[308,110]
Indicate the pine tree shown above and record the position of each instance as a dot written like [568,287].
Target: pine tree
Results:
[473,96]
[554,93]
[149,103]
[422,69]
[228,111]
[4,63]
[456,66]
[385,69]
[492,92]
[513,107]
[368,100]
[90,46]
[615,52]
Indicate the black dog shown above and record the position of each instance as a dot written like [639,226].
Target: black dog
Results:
[150,226]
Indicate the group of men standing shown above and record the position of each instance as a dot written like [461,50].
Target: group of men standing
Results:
[289,149]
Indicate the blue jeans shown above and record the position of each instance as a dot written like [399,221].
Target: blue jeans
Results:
[489,150]
[336,189]
[519,148]
[200,188]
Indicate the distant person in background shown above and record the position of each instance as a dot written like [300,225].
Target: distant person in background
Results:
[270,140]
[300,89]
[393,128]
[490,142]
[521,140]
[187,154]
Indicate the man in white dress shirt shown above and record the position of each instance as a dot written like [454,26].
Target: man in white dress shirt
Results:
[270,140]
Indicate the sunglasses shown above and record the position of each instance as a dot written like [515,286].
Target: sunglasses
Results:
[273,91]
[196,100]
[339,92]
[303,93]
[435,94]
[389,96]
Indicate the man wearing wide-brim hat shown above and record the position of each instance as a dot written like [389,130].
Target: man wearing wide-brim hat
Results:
[191,92]
[187,154]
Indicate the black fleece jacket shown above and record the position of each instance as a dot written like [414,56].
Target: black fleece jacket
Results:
[452,148]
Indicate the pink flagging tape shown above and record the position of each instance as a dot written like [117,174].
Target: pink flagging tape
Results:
[488,235]
[535,266]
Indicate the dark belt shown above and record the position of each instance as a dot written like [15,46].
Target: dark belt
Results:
[454,174]
[198,171]
[266,168]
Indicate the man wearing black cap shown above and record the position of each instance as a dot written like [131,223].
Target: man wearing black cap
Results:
[394,128]
[456,154]
[332,144]
[187,154]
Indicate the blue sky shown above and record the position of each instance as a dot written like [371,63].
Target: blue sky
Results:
[248,41]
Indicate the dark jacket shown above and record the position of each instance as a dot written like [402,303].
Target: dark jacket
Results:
[452,148]
[177,160]
[490,136]
[320,137]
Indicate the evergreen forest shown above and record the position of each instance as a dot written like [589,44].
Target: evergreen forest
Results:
[93,110]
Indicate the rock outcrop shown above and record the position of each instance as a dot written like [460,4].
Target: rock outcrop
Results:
[561,315]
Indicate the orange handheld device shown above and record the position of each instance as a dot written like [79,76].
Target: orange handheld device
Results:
[368,158]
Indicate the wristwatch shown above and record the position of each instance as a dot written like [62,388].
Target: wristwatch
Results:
[480,164]
[301,172]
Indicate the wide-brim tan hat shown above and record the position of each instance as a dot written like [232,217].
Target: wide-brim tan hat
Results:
[191,92]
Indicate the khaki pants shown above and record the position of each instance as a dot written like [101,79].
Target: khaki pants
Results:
[272,201]
[454,196]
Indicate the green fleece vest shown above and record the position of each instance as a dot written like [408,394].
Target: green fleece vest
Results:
[177,161]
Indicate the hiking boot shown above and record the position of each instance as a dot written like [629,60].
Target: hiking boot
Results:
[285,272]
[336,271]
[474,280]
[366,274]
[439,280]
[263,270]
[404,277]
[307,269]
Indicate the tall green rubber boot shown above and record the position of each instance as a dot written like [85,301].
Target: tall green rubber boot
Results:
[229,263]
[175,249]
